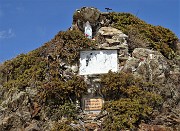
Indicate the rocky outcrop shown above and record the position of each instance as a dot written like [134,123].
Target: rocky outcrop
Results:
[147,64]
[154,67]
[19,111]
[112,36]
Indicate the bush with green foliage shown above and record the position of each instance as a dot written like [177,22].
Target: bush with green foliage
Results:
[62,126]
[67,110]
[68,44]
[35,70]
[130,100]
[65,45]
[156,37]
[56,92]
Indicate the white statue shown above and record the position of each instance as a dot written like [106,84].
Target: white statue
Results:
[88,30]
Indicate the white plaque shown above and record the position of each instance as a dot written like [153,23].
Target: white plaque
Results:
[98,62]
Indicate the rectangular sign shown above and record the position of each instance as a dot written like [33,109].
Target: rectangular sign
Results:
[98,62]
[93,104]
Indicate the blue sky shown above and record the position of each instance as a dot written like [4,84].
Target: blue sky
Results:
[27,24]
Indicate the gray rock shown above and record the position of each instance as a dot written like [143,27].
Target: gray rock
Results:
[147,64]
[113,35]
[144,53]
[110,31]
[74,69]
[153,66]
[32,127]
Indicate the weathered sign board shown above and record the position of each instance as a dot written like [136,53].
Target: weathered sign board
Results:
[93,104]
[98,62]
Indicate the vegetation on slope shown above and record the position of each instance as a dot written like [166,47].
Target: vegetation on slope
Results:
[142,34]
[36,70]
[130,100]
[65,45]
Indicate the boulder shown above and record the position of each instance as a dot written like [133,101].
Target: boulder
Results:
[148,64]
[110,31]
[90,14]
[112,35]
[144,53]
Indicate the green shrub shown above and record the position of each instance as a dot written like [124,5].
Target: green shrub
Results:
[130,100]
[62,126]
[57,92]
[67,110]
[125,113]
[156,37]
[69,43]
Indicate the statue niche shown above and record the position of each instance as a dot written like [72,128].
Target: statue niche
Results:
[87,19]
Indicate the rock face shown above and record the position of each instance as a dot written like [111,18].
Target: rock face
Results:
[153,66]
[112,36]
[147,64]
[16,110]
[20,112]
